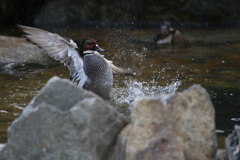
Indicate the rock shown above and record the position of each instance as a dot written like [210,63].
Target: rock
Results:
[64,122]
[232,143]
[19,50]
[151,137]
[118,152]
[174,127]
[221,155]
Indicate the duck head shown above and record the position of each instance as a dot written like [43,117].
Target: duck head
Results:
[166,35]
[166,28]
[90,44]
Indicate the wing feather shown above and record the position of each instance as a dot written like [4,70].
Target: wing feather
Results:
[116,69]
[59,49]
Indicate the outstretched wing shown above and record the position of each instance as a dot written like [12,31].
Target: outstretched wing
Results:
[119,70]
[60,49]
[116,69]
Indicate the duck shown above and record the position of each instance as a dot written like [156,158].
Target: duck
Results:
[168,35]
[88,68]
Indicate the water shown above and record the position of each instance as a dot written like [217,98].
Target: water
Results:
[210,58]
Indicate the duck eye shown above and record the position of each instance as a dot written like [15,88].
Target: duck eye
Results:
[89,43]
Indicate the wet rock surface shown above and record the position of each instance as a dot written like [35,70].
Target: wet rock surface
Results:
[15,50]
[179,126]
[63,122]
[66,122]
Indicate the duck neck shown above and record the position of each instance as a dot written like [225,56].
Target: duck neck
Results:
[88,52]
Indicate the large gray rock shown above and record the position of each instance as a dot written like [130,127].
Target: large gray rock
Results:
[173,127]
[19,50]
[63,122]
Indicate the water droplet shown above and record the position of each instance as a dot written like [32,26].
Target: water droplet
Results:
[235,119]
[219,131]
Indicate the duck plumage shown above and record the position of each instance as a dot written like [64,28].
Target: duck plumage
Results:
[86,65]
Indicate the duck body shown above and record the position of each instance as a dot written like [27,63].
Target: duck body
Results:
[164,39]
[87,66]
[100,75]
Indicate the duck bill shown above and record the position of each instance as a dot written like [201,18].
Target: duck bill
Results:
[97,48]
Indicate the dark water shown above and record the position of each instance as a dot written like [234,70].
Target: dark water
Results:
[210,58]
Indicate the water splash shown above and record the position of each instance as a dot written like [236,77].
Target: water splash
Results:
[123,96]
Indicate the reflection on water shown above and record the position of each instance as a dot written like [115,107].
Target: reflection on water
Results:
[210,58]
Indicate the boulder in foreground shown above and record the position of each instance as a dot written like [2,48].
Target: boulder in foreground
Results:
[170,127]
[63,122]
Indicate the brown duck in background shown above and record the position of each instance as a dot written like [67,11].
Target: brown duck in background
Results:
[168,35]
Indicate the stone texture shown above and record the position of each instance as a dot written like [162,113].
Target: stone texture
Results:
[232,143]
[19,50]
[195,122]
[118,152]
[151,137]
[174,127]
[63,122]
[221,155]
